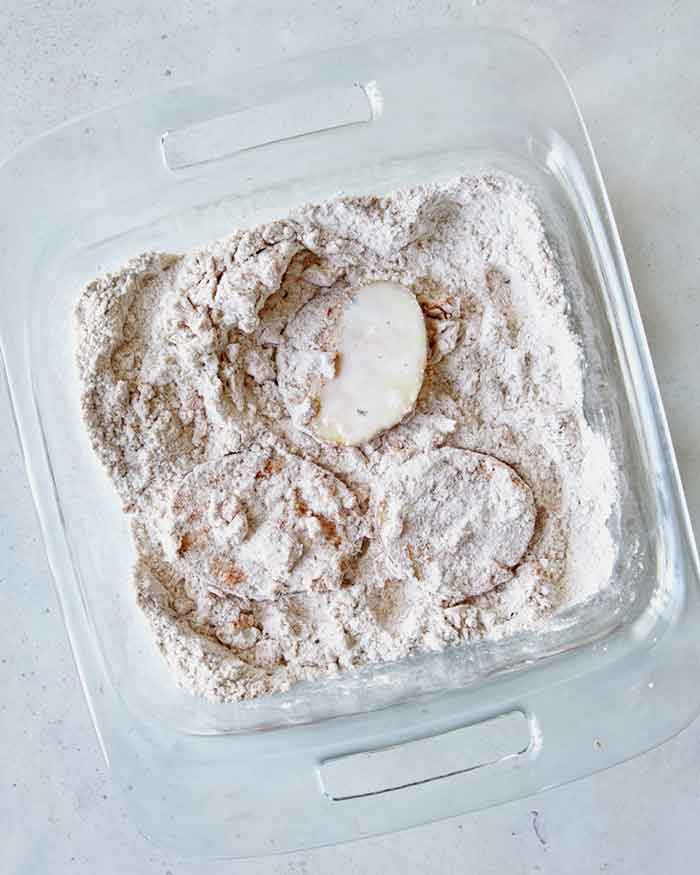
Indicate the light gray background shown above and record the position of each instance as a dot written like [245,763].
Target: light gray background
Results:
[635,68]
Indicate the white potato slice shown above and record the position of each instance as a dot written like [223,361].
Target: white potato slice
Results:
[352,362]
[379,371]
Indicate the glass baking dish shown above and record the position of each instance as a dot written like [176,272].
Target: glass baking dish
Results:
[377,750]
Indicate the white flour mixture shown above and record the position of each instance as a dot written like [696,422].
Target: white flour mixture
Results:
[266,555]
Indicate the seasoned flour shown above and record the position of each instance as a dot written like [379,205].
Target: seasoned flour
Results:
[266,556]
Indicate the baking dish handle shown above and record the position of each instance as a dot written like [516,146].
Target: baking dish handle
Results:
[490,743]
[297,116]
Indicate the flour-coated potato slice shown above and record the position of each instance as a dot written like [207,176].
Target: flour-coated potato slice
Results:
[455,520]
[262,522]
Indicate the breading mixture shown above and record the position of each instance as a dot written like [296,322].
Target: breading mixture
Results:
[268,555]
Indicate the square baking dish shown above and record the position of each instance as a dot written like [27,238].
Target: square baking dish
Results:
[396,744]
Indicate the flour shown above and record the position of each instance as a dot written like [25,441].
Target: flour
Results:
[266,556]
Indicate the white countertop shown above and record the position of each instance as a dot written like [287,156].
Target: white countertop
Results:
[635,69]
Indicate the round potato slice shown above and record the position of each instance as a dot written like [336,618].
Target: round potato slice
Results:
[353,362]
[455,520]
[261,523]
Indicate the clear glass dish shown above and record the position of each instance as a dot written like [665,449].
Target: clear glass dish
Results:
[609,678]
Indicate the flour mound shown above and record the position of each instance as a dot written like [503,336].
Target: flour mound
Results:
[307,358]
